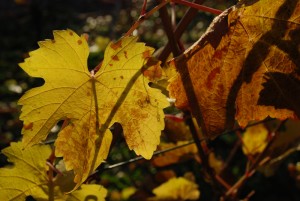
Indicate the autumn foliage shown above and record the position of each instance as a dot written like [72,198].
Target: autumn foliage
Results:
[244,68]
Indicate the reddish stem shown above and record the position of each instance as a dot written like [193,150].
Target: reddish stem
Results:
[197,6]
[143,11]
[145,16]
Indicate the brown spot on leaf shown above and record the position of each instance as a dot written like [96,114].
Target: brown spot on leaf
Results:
[115,58]
[79,42]
[115,78]
[125,54]
[116,45]
[122,77]
[143,102]
[88,93]
[210,78]
[110,64]
[28,126]
[152,69]
[53,41]
[146,54]
[71,33]
[218,54]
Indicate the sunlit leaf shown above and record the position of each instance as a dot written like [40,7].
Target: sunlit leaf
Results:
[255,139]
[176,189]
[91,102]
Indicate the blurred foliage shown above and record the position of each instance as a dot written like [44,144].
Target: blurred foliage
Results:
[24,22]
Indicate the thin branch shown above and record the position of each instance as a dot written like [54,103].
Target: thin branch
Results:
[266,149]
[203,139]
[230,156]
[258,162]
[182,25]
[198,6]
[143,11]
[142,18]
[141,158]
[163,13]
[176,51]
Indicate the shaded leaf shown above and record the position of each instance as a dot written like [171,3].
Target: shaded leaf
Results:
[90,101]
[245,67]
[176,189]
[175,156]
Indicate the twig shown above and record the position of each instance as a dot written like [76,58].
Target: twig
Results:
[49,162]
[234,188]
[223,182]
[198,7]
[163,13]
[230,156]
[266,149]
[176,51]
[182,25]
[257,162]
[141,158]
[142,18]
[143,11]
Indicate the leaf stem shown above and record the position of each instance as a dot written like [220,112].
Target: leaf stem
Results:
[50,162]
[143,11]
[141,158]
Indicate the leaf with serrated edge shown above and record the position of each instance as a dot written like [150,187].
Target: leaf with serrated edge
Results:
[118,92]
[245,67]
[28,176]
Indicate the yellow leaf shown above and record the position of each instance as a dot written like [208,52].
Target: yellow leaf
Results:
[176,189]
[88,192]
[28,176]
[215,163]
[255,139]
[127,192]
[92,102]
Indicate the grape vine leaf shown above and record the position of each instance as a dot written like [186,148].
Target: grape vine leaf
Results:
[28,176]
[245,67]
[255,139]
[176,189]
[91,102]
[88,192]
